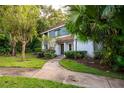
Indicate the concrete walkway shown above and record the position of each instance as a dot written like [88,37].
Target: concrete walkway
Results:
[53,71]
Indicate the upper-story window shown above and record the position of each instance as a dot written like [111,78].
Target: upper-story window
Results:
[62,32]
[52,33]
[58,32]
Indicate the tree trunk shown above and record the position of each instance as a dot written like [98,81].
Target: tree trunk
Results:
[13,48]
[23,50]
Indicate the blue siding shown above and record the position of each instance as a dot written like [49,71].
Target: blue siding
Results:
[62,32]
[52,33]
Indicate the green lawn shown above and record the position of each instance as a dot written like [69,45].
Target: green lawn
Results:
[32,62]
[74,66]
[23,82]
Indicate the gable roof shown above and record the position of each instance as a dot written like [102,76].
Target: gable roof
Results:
[54,28]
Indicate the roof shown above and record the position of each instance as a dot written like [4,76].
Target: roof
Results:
[54,28]
[67,38]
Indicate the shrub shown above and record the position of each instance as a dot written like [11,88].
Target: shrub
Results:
[5,50]
[35,43]
[50,53]
[98,55]
[40,54]
[119,62]
[75,54]
[37,49]
[5,47]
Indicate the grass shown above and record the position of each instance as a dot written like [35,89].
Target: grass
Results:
[74,66]
[23,82]
[32,62]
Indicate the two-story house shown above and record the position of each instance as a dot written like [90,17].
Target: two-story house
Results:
[64,41]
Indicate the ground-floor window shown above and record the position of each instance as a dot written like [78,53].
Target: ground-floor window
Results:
[46,46]
[70,47]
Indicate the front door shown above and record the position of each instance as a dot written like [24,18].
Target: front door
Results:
[62,48]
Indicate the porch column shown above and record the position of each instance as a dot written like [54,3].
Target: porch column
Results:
[65,47]
[57,49]
[75,44]
[48,43]
[42,45]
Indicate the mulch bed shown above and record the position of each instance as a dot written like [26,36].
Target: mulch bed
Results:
[95,63]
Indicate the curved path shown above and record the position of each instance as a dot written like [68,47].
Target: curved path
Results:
[53,71]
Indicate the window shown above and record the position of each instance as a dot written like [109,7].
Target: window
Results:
[62,32]
[46,45]
[52,33]
[70,47]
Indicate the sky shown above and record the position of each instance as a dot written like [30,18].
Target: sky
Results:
[57,6]
[62,7]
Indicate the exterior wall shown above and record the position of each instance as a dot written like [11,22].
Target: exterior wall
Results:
[65,47]
[86,46]
[76,44]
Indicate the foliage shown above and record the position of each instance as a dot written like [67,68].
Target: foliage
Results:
[22,20]
[119,62]
[74,66]
[98,54]
[37,49]
[22,23]
[31,62]
[75,54]
[4,45]
[24,82]
[50,17]
[48,54]
[100,24]
[9,27]
[33,45]
[50,41]
[40,54]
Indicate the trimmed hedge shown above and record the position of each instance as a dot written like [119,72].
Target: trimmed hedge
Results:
[75,54]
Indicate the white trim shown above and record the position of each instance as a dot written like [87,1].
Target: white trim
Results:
[53,29]
[63,36]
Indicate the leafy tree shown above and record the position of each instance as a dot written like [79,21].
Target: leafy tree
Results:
[7,27]
[100,24]
[21,20]
[50,17]
[28,16]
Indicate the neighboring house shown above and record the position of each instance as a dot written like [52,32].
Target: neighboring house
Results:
[62,41]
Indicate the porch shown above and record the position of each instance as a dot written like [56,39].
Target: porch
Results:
[63,44]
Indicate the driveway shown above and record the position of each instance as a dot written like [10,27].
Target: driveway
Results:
[53,71]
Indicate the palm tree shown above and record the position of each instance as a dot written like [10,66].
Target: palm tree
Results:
[101,24]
